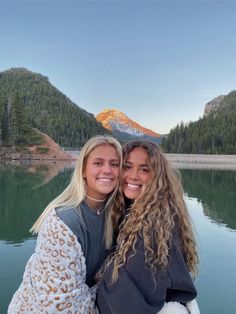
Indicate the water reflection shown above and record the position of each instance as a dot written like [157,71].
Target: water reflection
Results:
[216,191]
[25,190]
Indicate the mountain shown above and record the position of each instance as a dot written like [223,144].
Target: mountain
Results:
[46,108]
[213,105]
[124,128]
[214,133]
[223,104]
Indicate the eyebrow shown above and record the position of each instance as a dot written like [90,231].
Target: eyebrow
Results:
[97,158]
[142,165]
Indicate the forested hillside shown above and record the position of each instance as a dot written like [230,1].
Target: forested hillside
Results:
[14,128]
[212,134]
[45,108]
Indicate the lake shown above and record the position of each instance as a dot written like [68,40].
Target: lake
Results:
[210,195]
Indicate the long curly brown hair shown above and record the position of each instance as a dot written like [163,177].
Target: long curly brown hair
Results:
[156,214]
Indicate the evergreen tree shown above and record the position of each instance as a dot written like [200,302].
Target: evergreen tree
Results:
[15,130]
[20,130]
[5,125]
[215,134]
[47,109]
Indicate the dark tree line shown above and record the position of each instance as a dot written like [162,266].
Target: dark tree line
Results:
[49,110]
[213,134]
[14,128]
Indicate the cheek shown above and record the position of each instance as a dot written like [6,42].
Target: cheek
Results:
[90,172]
[117,173]
[122,180]
[124,175]
[147,178]
[86,170]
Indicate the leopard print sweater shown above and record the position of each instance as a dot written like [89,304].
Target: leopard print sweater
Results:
[54,277]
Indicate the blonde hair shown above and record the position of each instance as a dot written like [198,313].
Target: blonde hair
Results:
[75,192]
[157,214]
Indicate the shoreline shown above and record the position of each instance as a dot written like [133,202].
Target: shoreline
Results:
[202,161]
[202,158]
[180,161]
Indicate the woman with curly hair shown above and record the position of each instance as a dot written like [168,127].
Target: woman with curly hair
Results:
[155,258]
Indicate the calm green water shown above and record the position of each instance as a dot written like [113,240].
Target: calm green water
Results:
[211,199]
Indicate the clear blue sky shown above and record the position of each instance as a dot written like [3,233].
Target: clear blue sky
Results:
[159,62]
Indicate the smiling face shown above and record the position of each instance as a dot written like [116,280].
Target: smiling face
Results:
[137,172]
[101,171]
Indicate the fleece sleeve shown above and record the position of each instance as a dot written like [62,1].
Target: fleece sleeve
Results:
[54,278]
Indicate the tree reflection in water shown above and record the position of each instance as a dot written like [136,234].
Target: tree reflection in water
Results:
[216,190]
[25,190]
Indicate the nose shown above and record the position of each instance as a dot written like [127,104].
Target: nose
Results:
[106,168]
[133,174]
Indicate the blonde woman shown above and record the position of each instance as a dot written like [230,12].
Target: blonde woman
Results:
[59,276]
[150,269]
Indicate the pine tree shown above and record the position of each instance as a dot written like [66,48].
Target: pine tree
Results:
[5,125]
[47,109]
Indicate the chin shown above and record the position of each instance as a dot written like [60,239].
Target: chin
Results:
[106,191]
[131,196]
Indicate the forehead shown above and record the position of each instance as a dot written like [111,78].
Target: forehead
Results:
[104,151]
[138,155]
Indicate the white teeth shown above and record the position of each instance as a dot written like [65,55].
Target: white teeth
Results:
[133,186]
[104,179]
